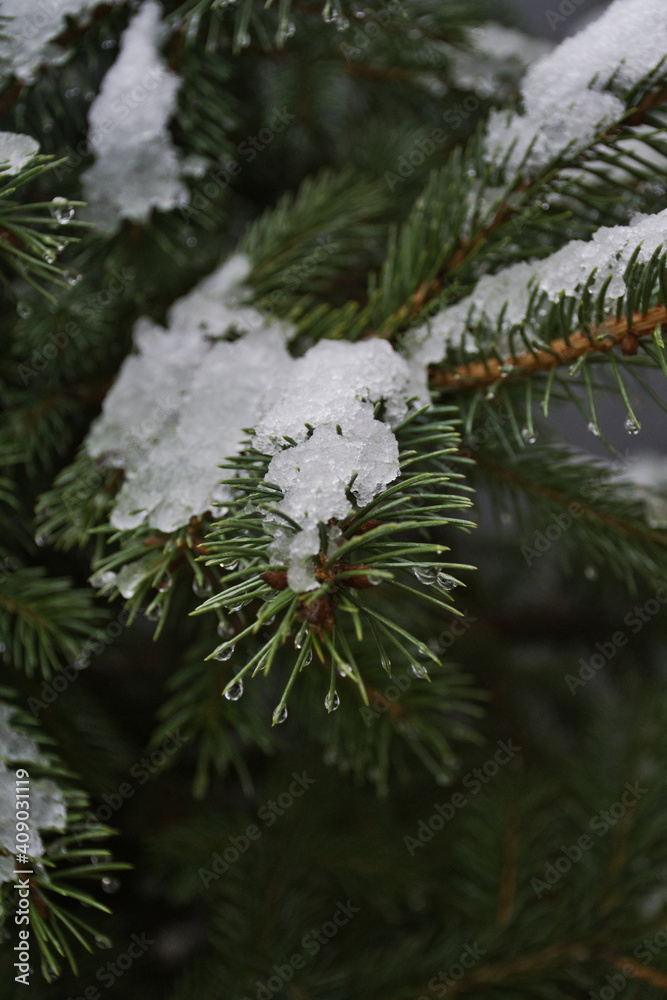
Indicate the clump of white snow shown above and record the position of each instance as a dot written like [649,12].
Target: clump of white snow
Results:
[16,151]
[137,168]
[580,88]
[501,300]
[179,405]
[29,30]
[647,474]
[327,409]
[47,806]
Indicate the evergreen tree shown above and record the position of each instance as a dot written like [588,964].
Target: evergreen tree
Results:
[331,668]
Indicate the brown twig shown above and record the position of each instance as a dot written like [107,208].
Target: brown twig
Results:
[658,979]
[561,352]
[428,290]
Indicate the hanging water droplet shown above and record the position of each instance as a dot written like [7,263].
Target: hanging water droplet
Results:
[23,309]
[490,394]
[110,885]
[593,429]
[471,173]
[331,702]
[61,211]
[426,574]
[419,671]
[528,436]
[73,279]
[279,715]
[345,670]
[545,206]
[308,658]
[591,573]
[225,630]
[235,691]
[444,582]
[102,942]
[245,41]
[154,614]
[49,256]
[102,579]
[224,654]
[203,589]
[374,579]
[631,426]
[40,541]
[165,582]
[285,31]
[109,43]
[233,608]
[230,567]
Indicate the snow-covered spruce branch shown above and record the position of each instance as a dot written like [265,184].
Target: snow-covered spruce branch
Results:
[574,113]
[620,270]
[561,351]
[332,431]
